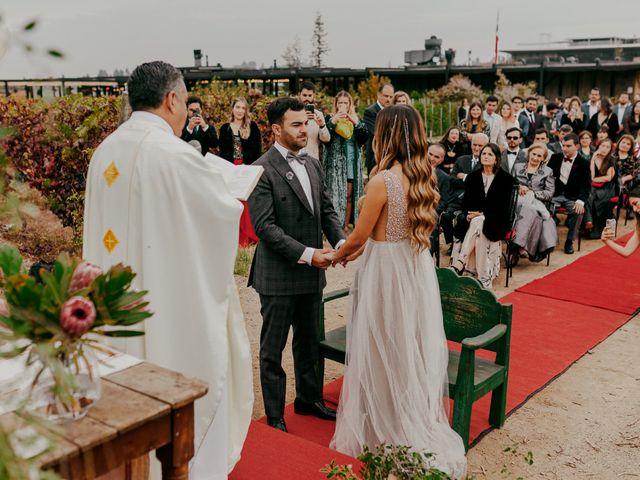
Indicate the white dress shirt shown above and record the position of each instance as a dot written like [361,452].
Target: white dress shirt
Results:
[300,171]
[593,109]
[511,157]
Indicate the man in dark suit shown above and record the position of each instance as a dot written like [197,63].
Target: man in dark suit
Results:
[385,97]
[622,109]
[529,120]
[573,184]
[197,128]
[513,154]
[464,166]
[291,209]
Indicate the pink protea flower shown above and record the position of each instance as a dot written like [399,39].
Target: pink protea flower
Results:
[77,315]
[83,275]
[4,307]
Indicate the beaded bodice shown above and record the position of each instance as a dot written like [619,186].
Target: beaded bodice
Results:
[398,220]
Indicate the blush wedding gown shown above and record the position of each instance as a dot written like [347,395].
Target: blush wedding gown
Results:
[395,381]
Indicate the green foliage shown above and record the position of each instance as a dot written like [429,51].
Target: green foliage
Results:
[389,462]
[243,260]
[35,308]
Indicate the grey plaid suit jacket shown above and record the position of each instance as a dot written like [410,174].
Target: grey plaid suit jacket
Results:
[285,226]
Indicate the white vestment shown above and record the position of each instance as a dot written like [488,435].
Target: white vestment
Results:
[154,203]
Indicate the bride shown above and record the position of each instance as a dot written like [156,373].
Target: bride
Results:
[395,380]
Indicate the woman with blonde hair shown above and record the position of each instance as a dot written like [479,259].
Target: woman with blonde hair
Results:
[241,144]
[505,121]
[536,232]
[402,98]
[395,380]
[240,140]
[341,158]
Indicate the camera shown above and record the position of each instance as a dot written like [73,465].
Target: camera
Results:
[310,107]
[197,112]
[611,223]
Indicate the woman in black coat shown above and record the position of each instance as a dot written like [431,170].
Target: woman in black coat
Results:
[605,116]
[486,209]
[240,141]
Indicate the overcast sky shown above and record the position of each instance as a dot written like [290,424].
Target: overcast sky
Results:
[114,34]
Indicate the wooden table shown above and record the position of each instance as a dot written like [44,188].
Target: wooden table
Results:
[142,408]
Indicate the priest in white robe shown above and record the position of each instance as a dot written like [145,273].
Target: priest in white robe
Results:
[153,202]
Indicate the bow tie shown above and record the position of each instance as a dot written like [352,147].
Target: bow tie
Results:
[512,153]
[301,158]
[567,159]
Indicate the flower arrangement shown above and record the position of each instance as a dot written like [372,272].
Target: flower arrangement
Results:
[54,318]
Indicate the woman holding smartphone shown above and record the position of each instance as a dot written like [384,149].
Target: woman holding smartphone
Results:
[608,234]
[341,158]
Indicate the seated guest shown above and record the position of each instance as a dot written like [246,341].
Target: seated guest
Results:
[575,118]
[504,122]
[631,124]
[586,141]
[605,116]
[341,158]
[463,167]
[603,174]
[603,134]
[436,157]
[536,233]
[513,154]
[632,245]
[627,165]
[542,136]
[454,148]
[563,131]
[572,185]
[474,123]
[486,219]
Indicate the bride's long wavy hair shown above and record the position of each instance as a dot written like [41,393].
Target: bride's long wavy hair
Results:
[400,136]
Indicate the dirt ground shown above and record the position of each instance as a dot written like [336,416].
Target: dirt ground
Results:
[585,424]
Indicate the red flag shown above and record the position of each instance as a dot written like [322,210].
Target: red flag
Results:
[495,59]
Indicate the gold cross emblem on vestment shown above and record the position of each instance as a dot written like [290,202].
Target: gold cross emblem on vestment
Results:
[110,241]
[111,174]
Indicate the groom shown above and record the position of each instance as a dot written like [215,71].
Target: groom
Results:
[290,209]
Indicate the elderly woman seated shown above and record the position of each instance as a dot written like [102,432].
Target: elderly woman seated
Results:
[536,233]
[485,220]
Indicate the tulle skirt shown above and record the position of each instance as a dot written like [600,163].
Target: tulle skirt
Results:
[395,381]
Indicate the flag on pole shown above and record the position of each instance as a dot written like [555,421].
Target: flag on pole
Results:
[495,59]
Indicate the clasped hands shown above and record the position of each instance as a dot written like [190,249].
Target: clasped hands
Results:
[324,258]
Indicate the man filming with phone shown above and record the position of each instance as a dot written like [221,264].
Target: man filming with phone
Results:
[317,130]
[197,129]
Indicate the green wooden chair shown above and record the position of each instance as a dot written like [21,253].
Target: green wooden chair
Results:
[474,318]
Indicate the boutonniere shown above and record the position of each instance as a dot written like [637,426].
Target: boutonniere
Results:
[289,175]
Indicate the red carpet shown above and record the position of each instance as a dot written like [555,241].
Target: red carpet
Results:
[601,279]
[556,320]
[270,454]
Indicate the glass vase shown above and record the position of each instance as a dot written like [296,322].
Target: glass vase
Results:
[65,385]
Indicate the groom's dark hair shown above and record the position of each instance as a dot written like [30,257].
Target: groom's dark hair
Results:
[277,109]
[149,84]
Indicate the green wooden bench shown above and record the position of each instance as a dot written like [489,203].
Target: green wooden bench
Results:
[474,318]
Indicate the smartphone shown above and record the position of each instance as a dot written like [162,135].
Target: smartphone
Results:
[342,109]
[611,223]
[310,107]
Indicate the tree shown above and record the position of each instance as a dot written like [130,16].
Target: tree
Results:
[319,42]
[292,55]
[102,73]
